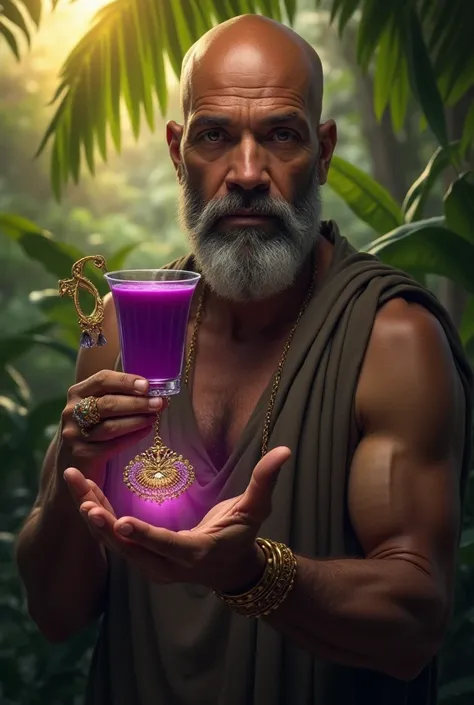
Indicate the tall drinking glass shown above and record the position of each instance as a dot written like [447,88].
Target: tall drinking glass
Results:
[153,308]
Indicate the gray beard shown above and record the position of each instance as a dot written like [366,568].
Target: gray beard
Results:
[251,264]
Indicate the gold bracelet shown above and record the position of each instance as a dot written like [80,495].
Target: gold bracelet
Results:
[273,588]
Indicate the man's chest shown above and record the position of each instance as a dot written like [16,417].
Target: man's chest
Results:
[226,388]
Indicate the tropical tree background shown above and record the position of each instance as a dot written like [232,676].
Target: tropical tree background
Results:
[89,172]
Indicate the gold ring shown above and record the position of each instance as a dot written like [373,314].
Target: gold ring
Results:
[86,414]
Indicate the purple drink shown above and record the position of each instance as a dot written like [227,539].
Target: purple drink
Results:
[152,310]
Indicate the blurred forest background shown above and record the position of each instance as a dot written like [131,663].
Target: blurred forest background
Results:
[127,211]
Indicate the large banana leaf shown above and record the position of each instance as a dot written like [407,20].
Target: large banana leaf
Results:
[368,199]
[122,57]
[416,197]
[466,329]
[56,257]
[427,247]
[39,418]
[14,385]
[13,347]
[466,547]
[450,693]
[459,206]
[468,132]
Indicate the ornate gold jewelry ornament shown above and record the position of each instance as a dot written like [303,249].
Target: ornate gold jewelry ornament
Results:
[158,474]
[90,324]
[274,587]
[86,414]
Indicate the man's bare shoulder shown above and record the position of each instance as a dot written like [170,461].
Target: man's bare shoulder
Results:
[408,369]
[401,322]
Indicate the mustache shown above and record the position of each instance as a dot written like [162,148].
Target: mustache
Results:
[229,205]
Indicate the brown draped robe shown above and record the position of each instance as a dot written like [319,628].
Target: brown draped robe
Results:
[178,644]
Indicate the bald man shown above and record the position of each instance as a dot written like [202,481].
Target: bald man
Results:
[334,584]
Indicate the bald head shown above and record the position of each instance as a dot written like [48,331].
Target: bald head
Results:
[256,53]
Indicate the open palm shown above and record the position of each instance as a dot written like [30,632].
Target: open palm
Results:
[216,552]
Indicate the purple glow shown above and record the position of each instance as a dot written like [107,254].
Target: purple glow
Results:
[183,512]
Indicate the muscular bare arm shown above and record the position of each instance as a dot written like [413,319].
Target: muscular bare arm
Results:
[62,567]
[388,611]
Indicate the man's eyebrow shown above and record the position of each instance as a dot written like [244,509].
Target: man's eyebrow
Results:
[210,120]
[278,118]
[224,120]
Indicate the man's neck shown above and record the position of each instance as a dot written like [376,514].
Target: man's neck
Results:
[265,319]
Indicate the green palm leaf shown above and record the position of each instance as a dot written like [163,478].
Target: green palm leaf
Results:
[16,17]
[34,9]
[422,77]
[122,57]
[9,38]
[387,67]
[376,16]
[450,44]
[438,45]
[13,11]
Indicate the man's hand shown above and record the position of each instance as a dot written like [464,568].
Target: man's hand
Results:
[220,552]
[87,492]
[126,414]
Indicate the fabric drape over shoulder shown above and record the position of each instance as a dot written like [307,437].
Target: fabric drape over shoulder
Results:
[178,644]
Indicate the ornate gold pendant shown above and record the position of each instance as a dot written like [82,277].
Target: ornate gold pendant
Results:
[158,474]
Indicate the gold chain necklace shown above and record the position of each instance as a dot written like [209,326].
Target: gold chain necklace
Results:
[279,371]
[159,474]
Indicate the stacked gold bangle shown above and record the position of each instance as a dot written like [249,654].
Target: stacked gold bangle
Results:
[274,586]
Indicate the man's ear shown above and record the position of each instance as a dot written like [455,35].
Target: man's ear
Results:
[174,134]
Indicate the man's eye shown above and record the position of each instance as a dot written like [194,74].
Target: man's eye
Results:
[212,136]
[283,135]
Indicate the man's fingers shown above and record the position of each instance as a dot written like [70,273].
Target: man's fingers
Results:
[78,486]
[99,517]
[110,382]
[256,501]
[100,496]
[101,523]
[104,526]
[180,547]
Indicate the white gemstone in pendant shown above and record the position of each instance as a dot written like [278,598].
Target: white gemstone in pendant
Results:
[159,475]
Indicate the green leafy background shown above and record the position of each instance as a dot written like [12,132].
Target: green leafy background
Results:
[84,168]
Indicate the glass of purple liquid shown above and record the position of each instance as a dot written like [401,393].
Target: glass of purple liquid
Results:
[153,308]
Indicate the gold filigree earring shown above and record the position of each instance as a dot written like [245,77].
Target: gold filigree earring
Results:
[90,324]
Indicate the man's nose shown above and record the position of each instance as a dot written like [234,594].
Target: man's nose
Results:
[248,167]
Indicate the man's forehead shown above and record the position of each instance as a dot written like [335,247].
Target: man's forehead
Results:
[248,71]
